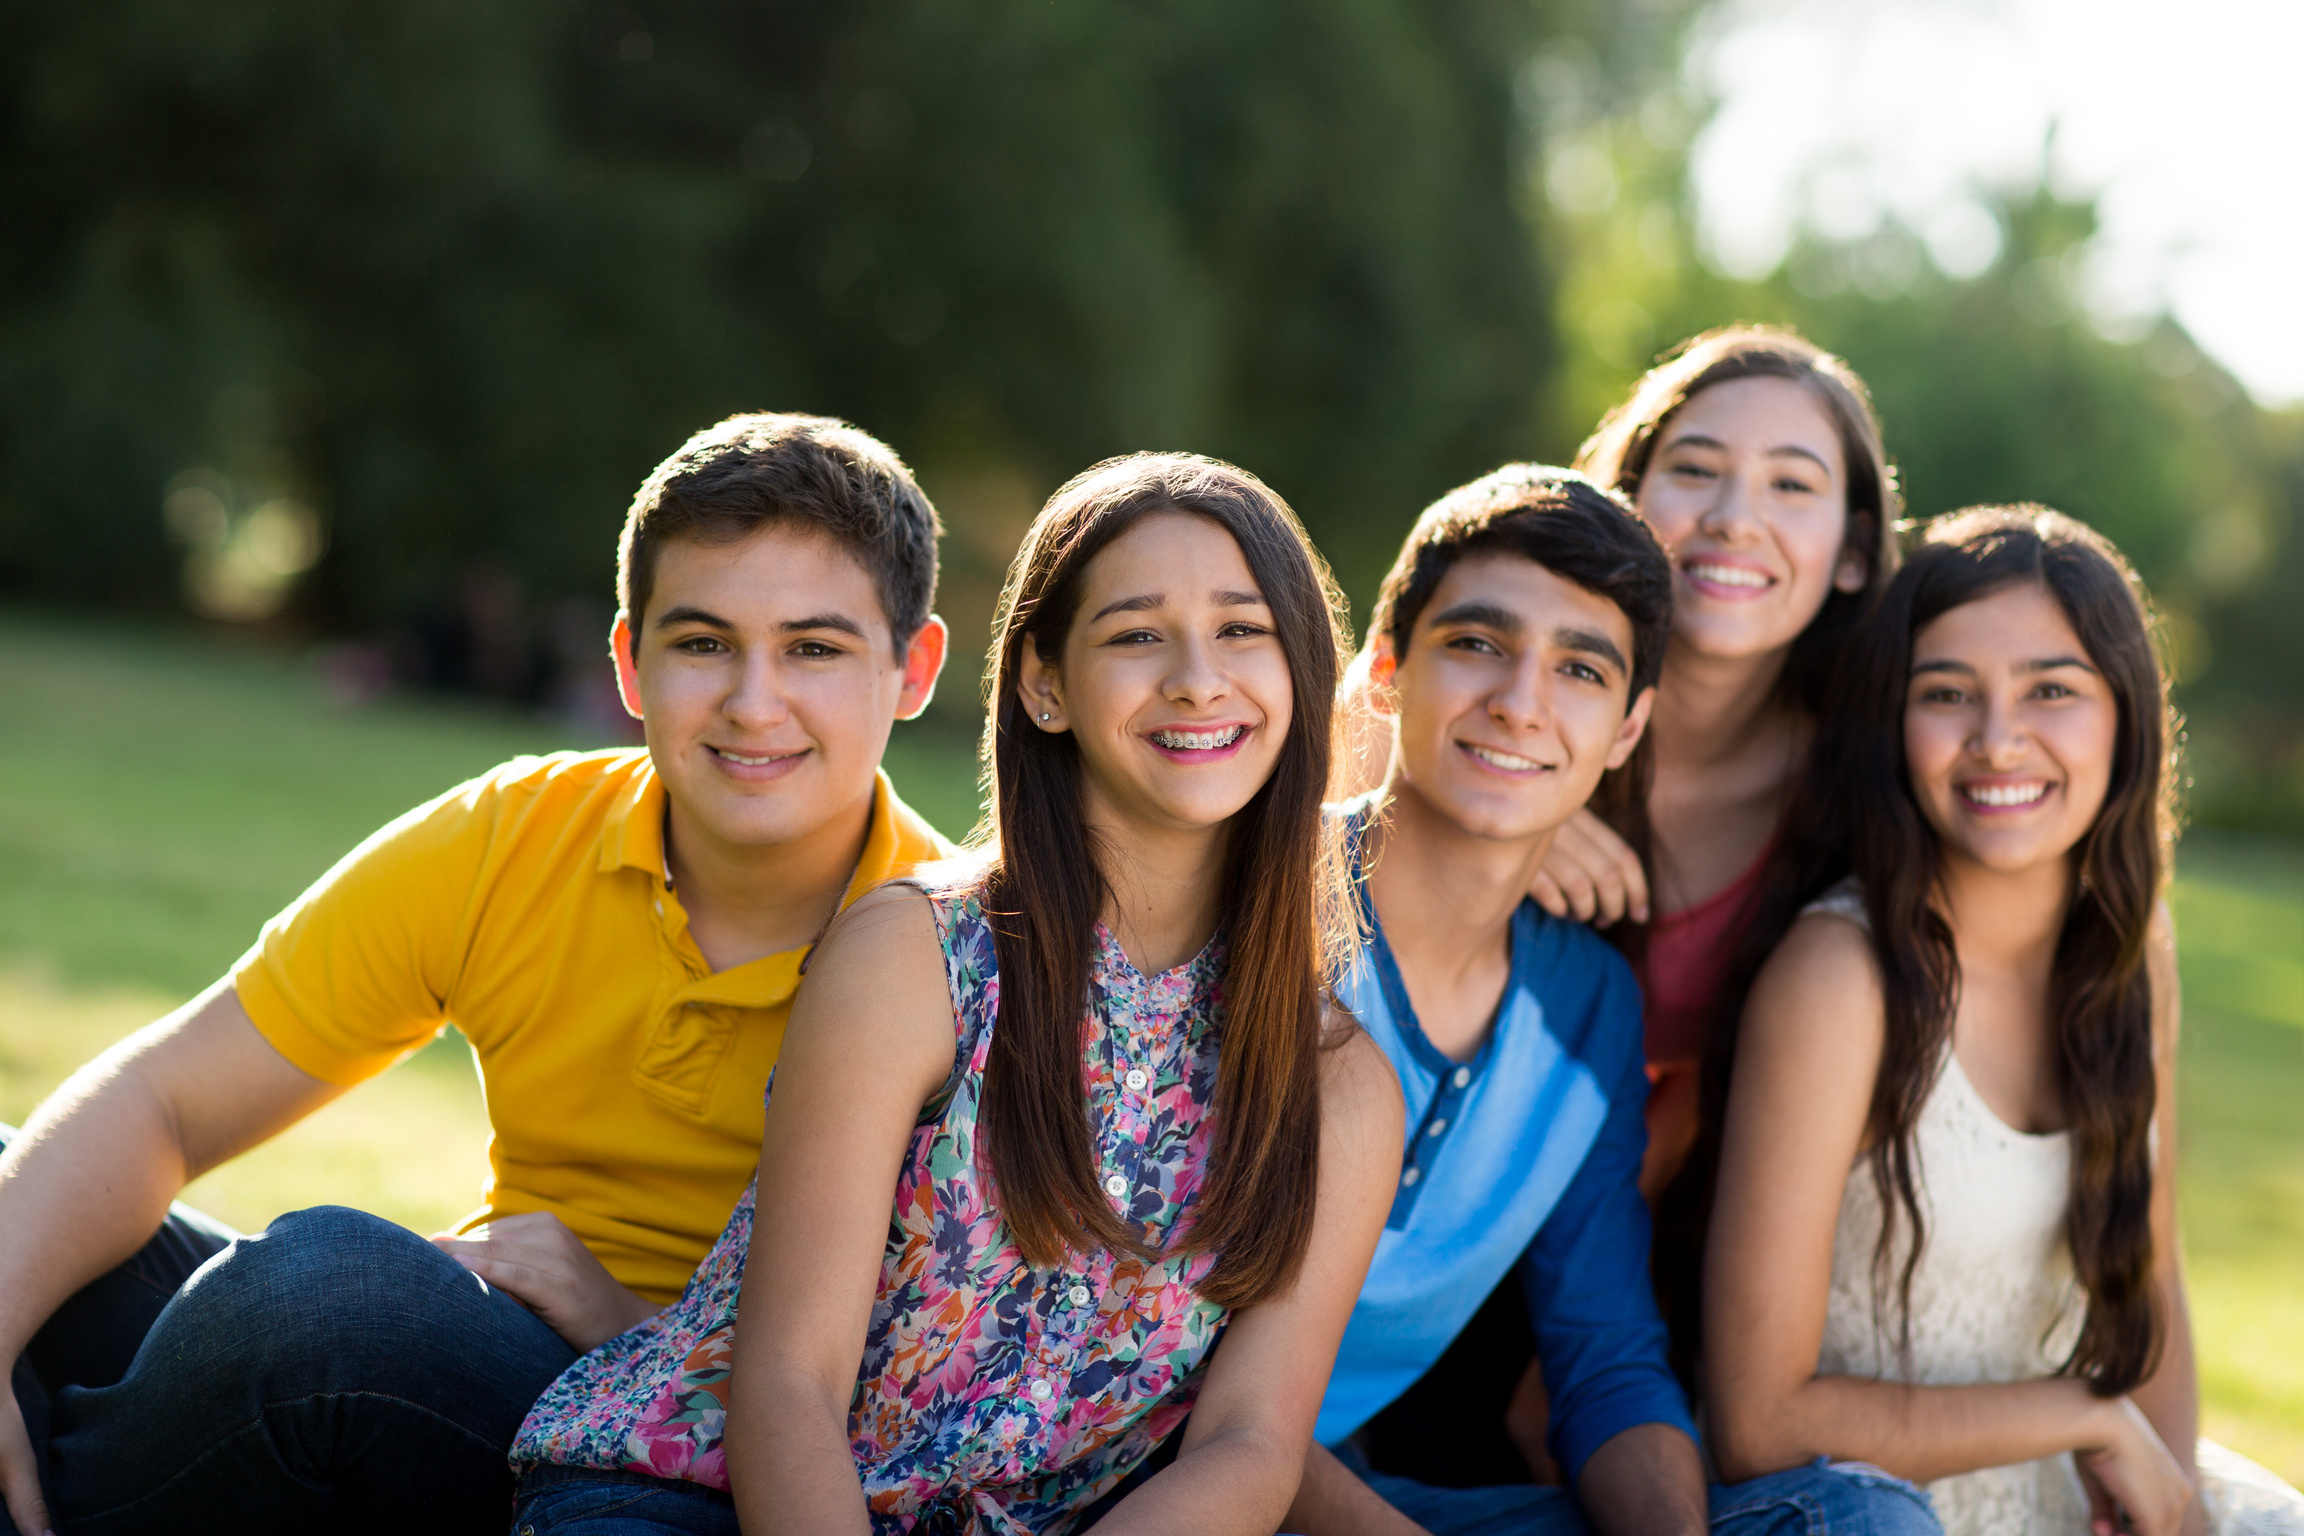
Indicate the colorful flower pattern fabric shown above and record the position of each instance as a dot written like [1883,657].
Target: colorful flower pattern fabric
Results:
[993,1397]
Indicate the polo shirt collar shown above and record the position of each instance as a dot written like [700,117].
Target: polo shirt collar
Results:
[632,833]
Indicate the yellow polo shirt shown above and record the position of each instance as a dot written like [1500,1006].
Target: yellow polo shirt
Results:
[530,909]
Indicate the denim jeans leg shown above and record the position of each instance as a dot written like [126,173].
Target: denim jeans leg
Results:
[1823,1499]
[583,1502]
[89,1340]
[332,1373]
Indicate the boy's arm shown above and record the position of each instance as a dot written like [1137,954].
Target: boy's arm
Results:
[1621,1429]
[1243,1456]
[89,1179]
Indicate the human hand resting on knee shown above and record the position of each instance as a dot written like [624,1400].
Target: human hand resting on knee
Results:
[20,1471]
[538,1262]
[2130,1473]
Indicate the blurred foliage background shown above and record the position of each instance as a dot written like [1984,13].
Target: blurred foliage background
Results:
[358,323]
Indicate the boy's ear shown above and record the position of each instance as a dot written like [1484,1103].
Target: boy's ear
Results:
[1377,666]
[1635,722]
[923,664]
[627,667]
[1036,687]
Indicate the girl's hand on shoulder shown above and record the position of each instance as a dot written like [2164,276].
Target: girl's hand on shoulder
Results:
[1591,874]
[2132,1474]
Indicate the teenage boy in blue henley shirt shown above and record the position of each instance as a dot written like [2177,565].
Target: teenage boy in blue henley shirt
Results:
[1516,646]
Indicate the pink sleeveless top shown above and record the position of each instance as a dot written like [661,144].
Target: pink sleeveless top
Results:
[1686,965]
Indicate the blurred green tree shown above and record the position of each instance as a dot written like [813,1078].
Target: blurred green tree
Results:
[456,276]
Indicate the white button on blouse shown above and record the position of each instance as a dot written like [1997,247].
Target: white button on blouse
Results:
[1136,1079]
[1115,1186]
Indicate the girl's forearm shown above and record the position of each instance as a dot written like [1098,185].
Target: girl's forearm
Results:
[1234,1482]
[789,1464]
[1920,1433]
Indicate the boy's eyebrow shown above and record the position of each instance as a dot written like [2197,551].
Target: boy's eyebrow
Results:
[1699,440]
[1145,602]
[1487,615]
[838,621]
[688,614]
[1592,643]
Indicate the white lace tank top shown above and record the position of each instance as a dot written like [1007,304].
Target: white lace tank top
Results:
[1994,1297]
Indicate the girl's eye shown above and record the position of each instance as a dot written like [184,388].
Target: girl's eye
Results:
[1694,471]
[1796,487]
[1134,637]
[1241,629]
[2052,691]
[1940,696]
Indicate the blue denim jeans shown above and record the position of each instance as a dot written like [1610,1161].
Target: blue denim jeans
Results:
[334,1373]
[589,1503]
[1815,1500]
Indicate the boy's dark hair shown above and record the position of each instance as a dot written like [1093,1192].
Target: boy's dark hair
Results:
[730,480]
[1555,518]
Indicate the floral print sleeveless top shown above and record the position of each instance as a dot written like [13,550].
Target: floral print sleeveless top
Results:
[992,1397]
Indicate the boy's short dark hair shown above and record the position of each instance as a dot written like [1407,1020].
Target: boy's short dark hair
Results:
[1556,518]
[730,480]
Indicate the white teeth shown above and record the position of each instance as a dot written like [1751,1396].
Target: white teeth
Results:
[1503,760]
[1198,741]
[749,762]
[2005,794]
[1728,575]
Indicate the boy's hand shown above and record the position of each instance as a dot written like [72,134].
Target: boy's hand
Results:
[1591,874]
[20,1471]
[538,1262]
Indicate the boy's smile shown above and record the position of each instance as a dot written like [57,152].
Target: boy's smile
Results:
[1512,699]
[767,678]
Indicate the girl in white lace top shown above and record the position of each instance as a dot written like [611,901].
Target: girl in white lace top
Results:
[1944,1235]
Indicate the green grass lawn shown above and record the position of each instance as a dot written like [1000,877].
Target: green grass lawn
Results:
[161,794]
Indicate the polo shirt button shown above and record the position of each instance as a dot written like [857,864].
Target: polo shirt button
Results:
[1136,1079]
[1411,1176]
[1041,1391]
[1115,1186]
[659,909]
[1078,1295]
[1461,1077]
[1436,1128]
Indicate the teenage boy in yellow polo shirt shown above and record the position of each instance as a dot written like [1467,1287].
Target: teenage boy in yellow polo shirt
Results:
[618,934]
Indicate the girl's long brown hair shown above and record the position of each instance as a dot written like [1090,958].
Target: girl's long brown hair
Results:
[1618,454]
[2100,992]
[1283,912]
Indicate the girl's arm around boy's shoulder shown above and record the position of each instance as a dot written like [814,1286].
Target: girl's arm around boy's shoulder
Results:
[1244,1449]
[870,1041]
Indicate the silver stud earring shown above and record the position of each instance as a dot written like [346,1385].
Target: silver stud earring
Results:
[1043,717]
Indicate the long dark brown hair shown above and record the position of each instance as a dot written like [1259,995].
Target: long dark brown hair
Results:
[1617,455]
[2100,992]
[1284,910]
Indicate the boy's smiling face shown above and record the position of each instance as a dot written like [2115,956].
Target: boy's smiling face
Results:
[1513,698]
[767,678]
